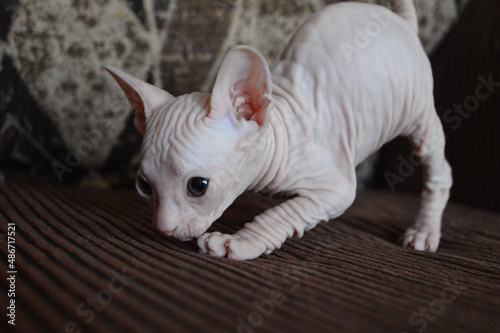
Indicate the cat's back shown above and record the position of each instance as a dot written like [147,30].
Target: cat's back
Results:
[356,66]
[342,31]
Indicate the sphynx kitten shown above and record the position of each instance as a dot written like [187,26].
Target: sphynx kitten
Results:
[298,130]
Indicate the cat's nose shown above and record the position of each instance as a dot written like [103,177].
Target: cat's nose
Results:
[166,217]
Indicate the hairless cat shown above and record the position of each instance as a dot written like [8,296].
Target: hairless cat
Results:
[353,77]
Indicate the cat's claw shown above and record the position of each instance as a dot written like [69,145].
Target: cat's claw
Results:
[421,239]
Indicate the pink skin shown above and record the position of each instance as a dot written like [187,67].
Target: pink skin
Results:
[300,130]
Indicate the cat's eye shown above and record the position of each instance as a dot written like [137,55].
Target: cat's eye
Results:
[143,187]
[197,186]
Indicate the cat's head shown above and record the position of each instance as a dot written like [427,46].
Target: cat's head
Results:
[199,150]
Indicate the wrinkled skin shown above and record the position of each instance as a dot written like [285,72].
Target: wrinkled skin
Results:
[353,77]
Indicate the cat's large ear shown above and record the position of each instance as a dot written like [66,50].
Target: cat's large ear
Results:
[243,87]
[143,96]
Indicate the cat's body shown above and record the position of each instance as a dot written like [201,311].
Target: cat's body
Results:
[353,77]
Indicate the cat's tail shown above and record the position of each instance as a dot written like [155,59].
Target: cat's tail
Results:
[406,9]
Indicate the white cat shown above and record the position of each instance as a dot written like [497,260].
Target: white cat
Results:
[353,77]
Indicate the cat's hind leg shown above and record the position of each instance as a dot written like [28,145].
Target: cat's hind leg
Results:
[428,143]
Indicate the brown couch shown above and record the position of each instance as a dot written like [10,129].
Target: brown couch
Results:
[88,260]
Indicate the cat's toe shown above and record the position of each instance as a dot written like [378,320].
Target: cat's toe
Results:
[214,244]
[421,239]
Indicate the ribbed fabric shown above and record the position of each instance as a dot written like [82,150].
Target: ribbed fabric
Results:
[347,275]
[466,70]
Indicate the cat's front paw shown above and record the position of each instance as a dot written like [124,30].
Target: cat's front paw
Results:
[231,246]
[214,243]
[421,239]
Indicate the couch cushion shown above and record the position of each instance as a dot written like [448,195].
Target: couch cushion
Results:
[90,259]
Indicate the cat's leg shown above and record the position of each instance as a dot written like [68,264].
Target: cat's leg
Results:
[428,141]
[270,229]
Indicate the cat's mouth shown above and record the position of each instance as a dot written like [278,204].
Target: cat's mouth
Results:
[170,234]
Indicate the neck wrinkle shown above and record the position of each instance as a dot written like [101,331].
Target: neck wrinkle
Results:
[274,154]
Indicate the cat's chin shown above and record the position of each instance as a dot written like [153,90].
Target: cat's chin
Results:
[170,234]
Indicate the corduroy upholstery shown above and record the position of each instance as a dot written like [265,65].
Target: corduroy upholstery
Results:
[79,247]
